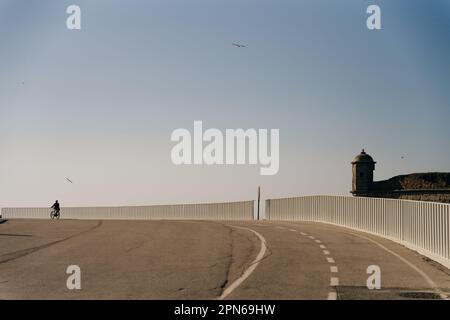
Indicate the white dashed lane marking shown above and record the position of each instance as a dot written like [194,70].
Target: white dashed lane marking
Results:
[334,281]
[332,296]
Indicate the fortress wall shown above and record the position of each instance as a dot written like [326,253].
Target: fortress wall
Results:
[417,195]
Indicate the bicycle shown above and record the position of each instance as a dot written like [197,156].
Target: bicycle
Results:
[55,215]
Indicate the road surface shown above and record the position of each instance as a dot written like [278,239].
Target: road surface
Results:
[208,260]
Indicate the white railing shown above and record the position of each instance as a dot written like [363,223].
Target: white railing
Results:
[205,211]
[422,226]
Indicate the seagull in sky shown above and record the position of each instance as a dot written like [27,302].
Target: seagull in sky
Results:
[239,45]
[69,180]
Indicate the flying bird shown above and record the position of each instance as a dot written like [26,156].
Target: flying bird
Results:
[69,180]
[239,45]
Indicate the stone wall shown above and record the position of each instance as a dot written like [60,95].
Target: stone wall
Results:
[430,186]
[415,181]
[418,195]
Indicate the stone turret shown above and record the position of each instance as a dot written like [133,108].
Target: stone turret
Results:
[363,167]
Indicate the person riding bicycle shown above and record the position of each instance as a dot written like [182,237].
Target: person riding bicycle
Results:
[56,208]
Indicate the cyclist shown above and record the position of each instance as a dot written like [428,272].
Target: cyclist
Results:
[56,208]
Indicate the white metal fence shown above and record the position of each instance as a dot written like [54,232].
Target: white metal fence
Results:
[205,211]
[422,226]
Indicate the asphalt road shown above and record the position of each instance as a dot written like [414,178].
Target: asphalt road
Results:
[208,260]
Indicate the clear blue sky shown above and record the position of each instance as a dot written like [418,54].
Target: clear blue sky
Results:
[99,105]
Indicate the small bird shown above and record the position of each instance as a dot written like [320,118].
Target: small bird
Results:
[239,45]
[403,157]
[69,180]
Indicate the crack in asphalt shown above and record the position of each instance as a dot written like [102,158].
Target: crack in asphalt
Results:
[230,261]
[24,252]
[135,247]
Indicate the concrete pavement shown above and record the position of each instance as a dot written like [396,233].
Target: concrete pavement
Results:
[200,260]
